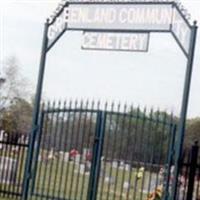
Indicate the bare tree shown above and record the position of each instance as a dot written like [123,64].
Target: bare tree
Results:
[15,92]
[14,84]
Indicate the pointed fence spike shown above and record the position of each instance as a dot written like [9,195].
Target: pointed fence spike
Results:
[76,103]
[87,104]
[106,106]
[87,101]
[112,105]
[125,107]
[98,104]
[118,107]
[81,105]
[59,103]
[70,104]
[93,104]
[65,102]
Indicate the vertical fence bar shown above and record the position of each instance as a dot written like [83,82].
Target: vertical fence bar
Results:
[192,173]
[90,133]
[81,145]
[146,161]
[44,157]
[141,124]
[76,133]
[112,152]
[96,155]
[57,138]
[70,166]
[52,168]
[185,167]
[107,141]
[128,140]
[68,147]
[133,149]
[37,152]
[61,146]
[170,160]
[120,137]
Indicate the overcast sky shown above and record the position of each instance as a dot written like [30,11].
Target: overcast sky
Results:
[148,79]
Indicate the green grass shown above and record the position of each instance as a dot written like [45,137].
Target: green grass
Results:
[54,182]
[62,179]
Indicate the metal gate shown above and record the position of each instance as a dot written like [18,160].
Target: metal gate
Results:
[84,151]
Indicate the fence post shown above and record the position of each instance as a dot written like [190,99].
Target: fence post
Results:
[192,173]
[170,161]
[35,118]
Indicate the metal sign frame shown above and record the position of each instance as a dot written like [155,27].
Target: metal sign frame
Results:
[186,91]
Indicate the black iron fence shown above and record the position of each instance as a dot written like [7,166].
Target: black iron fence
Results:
[85,151]
[131,148]
[13,148]
[189,178]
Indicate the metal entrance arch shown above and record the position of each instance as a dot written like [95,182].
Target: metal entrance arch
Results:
[56,25]
[85,152]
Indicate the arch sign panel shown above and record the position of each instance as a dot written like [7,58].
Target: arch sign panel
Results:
[121,17]
[116,41]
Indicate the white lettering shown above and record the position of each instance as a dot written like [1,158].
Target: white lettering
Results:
[115,41]
[121,17]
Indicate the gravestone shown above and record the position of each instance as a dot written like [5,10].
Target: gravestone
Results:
[86,151]
[1,138]
[77,158]
[8,170]
[150,184]
[114,164]
[40,157]
[127,167]
[122,164]
[82,169]
[109,180]
[126,185]
[66,157]
[88,166]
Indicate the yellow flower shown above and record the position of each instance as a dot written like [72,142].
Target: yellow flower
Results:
[157,194]
[159,191]
[151,196]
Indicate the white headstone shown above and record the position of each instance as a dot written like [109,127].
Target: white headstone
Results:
[126,185]
[127,167]
[77,158]
[8,170]
[85,152]
[122,163]
[88,166]
[66,157]
[114,164]
[40,157]
[1,138]
[109,179]
[82,169]
[121,166]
